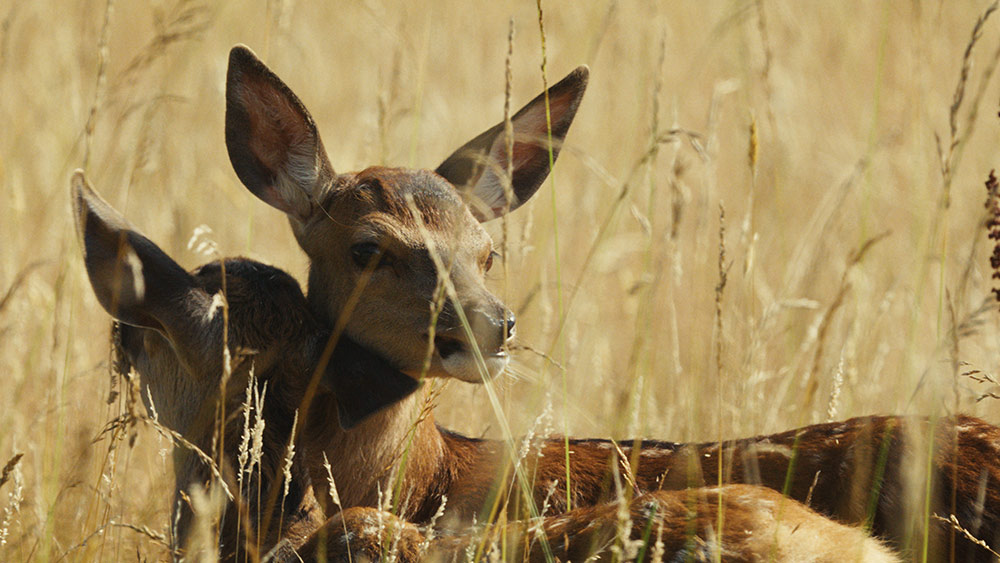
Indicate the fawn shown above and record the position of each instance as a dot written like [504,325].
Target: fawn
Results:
[173,332]
[372,237]
[759,525]
[171,328]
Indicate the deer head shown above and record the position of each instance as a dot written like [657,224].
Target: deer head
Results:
[172,331]
[380,240]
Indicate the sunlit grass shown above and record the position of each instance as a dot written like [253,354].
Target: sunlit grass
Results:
[850,102]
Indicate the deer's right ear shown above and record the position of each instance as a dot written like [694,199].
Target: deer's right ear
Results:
[272,140]
[477,169]
[135,281]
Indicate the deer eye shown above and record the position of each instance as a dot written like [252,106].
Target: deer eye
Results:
[365,253]
[489,260]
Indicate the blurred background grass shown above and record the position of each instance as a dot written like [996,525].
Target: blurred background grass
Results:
[849,103]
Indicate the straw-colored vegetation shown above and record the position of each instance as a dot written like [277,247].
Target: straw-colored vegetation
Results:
[850,172]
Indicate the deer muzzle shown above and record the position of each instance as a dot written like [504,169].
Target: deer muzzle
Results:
[492,328]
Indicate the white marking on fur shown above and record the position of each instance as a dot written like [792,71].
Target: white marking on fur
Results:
[768,447]
[299,177]
[462,366]
[218,301]
[138,278]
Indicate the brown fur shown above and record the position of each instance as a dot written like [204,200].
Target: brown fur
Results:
[758,525]
[838,466]
[272,329]
[275,148]
[846,460]
[272,326]
[173,335]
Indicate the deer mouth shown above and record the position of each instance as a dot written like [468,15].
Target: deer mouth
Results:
[447,347]
[459,362]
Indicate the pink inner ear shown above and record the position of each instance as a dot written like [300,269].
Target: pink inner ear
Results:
[531,130]
[277,127]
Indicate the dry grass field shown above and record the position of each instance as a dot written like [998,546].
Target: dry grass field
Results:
[830,133]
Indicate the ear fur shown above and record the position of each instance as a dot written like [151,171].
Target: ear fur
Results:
[477,168]
[135,281]
[272,140]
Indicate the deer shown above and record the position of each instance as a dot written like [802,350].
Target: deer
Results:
[171,329]
[759,525]
[173,332]
[380,243]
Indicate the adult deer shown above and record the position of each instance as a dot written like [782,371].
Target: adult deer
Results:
[359,232]
[173,332]
[372,271]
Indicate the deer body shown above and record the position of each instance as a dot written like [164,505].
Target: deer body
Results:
[855,471]
[759,525]
[384,243]
[172,334]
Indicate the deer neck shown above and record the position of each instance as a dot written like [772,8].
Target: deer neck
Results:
[365,459]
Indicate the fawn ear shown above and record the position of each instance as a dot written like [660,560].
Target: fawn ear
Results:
[363,382]
[478,168]
[272,140]
[135,281]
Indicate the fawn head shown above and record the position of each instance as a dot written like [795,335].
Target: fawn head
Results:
[171,328]
[382,242]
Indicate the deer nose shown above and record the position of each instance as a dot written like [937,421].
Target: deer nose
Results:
[504,325]
[509,326]
[492,328]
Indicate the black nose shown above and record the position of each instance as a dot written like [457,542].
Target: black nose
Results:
[509,325]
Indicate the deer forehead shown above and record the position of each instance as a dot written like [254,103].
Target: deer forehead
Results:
[379,201]
[266,306]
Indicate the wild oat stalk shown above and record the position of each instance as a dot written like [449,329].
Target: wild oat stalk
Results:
[146,532]
[557,262]
[257,447]
[696,142]
[183,442]
[101,79]
[955,525]
[765,71]
[950,157]
[507,436]
[185,21]
[335,498]
[12,470]
[287,470]
[720,372]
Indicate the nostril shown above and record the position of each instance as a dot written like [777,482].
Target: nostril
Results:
[509,325]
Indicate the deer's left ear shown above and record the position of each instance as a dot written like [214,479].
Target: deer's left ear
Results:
[272,140]
[477,169]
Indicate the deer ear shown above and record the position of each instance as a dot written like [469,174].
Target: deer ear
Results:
[478,168]
[363,382]
[135,281]
[272,140]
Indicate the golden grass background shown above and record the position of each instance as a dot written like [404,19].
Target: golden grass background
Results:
[850,102]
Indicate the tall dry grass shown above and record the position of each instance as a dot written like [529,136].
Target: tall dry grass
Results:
[847,142]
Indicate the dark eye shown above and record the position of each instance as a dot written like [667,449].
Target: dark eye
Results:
[489,260]
[364,253]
